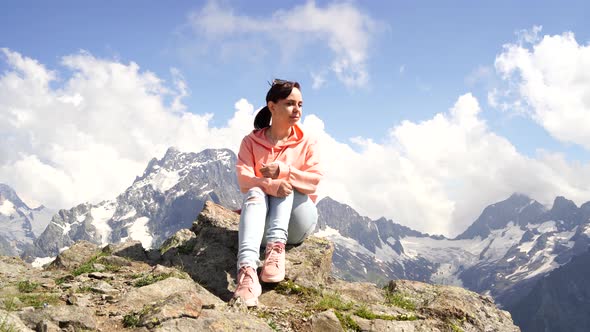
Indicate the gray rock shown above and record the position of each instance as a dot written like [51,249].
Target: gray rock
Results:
[76,255]
[325,321]
[11,322]
[66,317]
[129,249]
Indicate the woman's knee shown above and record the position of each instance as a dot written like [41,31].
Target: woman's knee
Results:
[253,196]
[303,223]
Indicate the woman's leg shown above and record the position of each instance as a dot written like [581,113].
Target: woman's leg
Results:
[304,217]
[252,227]
[279,213]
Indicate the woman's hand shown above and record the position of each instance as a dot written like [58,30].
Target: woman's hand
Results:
[285,189]
[270,171]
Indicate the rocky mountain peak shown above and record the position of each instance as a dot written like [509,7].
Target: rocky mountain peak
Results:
[166,198]
[518,209]
[184,285]
[19,225]
[7,194]
[563,205]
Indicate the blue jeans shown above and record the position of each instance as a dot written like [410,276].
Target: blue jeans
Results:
[267,218]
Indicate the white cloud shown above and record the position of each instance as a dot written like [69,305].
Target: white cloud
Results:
[437,175]
[340,26]
[318,80]
[88,138]
[551,81]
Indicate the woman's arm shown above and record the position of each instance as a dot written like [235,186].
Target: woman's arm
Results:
[247,178]
[307,177]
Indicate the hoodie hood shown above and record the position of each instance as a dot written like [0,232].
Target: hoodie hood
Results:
[259,136]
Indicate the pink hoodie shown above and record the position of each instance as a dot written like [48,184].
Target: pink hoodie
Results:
[297,158]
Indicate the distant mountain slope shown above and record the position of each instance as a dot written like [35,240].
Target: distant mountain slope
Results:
[167,197]
[559,302]
[19,224]
[503,253]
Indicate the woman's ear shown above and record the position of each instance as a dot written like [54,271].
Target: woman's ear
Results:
[271,106]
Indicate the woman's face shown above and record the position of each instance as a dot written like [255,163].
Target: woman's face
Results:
[287,111]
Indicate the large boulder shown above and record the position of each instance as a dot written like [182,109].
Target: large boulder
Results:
[209,256]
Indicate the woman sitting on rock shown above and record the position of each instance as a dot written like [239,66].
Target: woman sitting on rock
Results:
[278,169]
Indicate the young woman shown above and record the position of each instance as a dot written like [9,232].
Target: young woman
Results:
[278,170]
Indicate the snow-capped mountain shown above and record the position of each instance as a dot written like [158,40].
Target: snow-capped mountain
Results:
[503,253]
[559,302]
[167,197]
[19,224]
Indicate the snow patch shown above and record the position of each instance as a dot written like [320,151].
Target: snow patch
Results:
[447,274]
[386,253]
[66,229]
[139,231]
[547,227]
[501,240]
[327,232]
[128,215]
[7,208]
[100,217]
[40,261]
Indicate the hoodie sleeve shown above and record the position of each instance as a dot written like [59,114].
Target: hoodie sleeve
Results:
[308,176]
[247,178]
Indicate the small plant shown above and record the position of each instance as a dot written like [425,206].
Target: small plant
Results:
[84,289]
[288,287]
[6,326]
[88,266]
[400,300]
[38,300]
[131,320]
[364,312]
[151,279]
[332,300]
[273,325]
[348,324]
[134,319]
[406,317]
[455,328]
[26,286]
[10,304]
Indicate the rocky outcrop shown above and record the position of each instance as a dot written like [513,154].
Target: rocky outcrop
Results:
[187,283]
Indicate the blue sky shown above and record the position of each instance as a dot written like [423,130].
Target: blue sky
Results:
[379,78]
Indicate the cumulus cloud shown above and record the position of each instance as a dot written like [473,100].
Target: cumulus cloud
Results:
[340,26]
[86,137]
[548,78]
[437,175]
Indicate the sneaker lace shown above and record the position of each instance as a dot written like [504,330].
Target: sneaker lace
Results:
[245,280]
[273,253]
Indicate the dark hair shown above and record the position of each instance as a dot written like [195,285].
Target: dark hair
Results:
[279,89]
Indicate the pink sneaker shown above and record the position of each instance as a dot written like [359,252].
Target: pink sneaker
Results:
[273,269]
[249,288]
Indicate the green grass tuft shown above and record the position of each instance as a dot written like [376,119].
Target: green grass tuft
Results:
[334,301]
[38,300]
[348,324]
[5,326]
[400,300]
[131,320]
[26,286]
[151,279]
[88,266]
